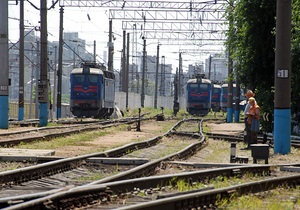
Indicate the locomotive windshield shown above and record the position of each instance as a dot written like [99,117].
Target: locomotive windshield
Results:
[215,90]
[78,78]
[199,87]
[92,78]
[193,87]
[225,91]
[204,87]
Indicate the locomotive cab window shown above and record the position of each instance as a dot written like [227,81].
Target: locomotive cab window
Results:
[215,90]
[193,87]
[92,78]
[78,78]
[203,87]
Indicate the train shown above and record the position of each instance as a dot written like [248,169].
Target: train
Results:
[199,93]
[216,98]
[224,96]
[92,91]
[203,96]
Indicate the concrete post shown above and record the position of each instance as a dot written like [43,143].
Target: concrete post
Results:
[282,98]
[4,64]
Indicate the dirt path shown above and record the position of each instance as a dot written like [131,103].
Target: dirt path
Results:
[120,137]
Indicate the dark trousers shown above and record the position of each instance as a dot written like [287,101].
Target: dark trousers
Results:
[248,134]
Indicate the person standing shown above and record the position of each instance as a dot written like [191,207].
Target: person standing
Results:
[253,120]
[248,95]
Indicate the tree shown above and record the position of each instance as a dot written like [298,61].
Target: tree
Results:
[251,40]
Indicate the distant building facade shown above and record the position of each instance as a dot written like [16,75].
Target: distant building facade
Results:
[194,69]
[216,67]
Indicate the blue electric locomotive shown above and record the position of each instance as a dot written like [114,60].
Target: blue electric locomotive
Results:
[216,98]
[199,96]
[92,91]
[224,96]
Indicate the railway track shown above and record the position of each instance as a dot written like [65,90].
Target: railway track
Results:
[130,189]
[238,138]
[8,139]
[42,172]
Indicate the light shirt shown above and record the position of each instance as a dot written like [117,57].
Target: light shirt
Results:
[247,107]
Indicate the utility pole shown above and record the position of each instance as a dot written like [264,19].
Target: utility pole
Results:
[37,75]
[43,83]
[209,67]
[156,77]
[110,48]
[95,51]
[4,64]
[134,59]
[163,76]
[175,102]
[237,100]
[143,74]
[230,88]
[21,64]
[127,71]
[179,75]
[60,60]
[31,86]
[282,105]
[54,80]
[123,71]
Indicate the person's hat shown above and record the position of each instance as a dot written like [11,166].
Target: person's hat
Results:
[249,94]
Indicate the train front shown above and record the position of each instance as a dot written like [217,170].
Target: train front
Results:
[216,98]
[199,96]
[86,93]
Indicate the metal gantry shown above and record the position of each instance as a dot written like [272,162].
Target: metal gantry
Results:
[196,20]
[178,30]
[194,5]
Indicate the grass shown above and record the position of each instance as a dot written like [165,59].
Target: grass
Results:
[277,199]
[280,198]
[166,147]
[185,186]
[6,166]
[80,139]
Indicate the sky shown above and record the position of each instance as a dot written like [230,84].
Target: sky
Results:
[91,24]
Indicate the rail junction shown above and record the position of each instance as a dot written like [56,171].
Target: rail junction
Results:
[135,177]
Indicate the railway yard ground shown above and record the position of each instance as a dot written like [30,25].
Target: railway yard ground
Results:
[125,134]
[211,153]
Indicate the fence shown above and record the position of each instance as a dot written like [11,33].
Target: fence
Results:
[134,102]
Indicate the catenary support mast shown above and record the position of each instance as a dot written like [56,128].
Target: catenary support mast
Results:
[4,64]
[21,64]
[282,111]
[60,57]
[43,83]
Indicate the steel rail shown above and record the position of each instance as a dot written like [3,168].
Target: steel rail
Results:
[208,198]
[58,166]
[75,129]
[79,195]
[47,169]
